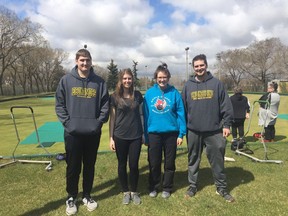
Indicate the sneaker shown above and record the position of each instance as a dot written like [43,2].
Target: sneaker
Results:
[135,197]
[191,191]
[126,198]
[153,194]
[90,203]
[225,195]
[166,194]
[71,207]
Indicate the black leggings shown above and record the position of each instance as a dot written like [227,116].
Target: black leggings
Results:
[128,149]
[269,133]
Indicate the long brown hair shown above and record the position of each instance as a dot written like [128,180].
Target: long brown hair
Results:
[119,91]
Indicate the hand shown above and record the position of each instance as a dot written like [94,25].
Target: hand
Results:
[226,132]
[112,145]
[179,141]
[247,115]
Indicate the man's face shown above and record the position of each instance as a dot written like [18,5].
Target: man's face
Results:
[84,64]
[200,68]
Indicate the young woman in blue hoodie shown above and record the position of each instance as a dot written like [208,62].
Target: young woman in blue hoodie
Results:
[164,128]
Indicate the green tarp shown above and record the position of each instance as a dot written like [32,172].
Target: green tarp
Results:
[49,133]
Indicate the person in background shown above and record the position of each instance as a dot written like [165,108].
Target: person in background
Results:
[164,129]
[241,110]
[268,111]
[82,106]
[209,116]
[125,128]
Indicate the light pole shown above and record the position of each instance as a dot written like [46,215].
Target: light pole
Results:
[186,49]
[146,82]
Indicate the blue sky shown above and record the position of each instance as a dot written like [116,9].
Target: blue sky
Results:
[151,31]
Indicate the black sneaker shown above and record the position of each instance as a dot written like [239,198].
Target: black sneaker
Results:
[191,191]
[225,195]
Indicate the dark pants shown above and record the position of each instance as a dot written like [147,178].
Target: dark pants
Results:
[215,149]
[80,148]
[128,149]
[269,133]
[238,124]
[168,143]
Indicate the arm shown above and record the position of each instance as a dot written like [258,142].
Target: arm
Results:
[111,128]
[181,119]
[60,103]
[104,109]
[145,119]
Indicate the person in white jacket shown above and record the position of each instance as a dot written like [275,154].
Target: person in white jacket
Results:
[268,111]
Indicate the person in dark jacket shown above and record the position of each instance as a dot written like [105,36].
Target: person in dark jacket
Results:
[209,115]
[241,110]
[82,106]
[126,131]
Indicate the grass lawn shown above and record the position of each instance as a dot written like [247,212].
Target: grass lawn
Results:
[27,189]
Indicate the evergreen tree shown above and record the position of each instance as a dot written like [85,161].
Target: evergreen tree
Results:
[113,76]
[134,71]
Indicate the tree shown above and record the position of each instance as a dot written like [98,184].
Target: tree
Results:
[113,76]
[14,34]
[230,62]
[134,71]
[263,59]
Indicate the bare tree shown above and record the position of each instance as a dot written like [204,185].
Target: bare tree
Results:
[230,63]
[263,56]
[14,33]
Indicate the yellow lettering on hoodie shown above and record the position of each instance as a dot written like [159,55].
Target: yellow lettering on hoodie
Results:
[203,94]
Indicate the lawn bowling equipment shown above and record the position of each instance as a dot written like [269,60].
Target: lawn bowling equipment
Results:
[49,163]
[241,152]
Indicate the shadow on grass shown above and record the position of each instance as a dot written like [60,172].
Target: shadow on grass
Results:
[235,177]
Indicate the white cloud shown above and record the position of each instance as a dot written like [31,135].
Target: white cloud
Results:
[129,30]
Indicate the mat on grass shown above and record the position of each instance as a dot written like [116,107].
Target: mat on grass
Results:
[49,133]
[283,116]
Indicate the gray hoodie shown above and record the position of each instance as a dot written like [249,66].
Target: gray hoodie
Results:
[207,104]
[82,104]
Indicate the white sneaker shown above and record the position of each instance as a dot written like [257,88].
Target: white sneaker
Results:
[71,207]
[90,203]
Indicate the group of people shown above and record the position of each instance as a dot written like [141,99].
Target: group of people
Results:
[203,113]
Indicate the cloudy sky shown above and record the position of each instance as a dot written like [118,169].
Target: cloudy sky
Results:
[151,31]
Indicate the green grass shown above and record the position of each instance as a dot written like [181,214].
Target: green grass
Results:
[27,189]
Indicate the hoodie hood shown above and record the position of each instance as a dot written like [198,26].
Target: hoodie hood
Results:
[207,77]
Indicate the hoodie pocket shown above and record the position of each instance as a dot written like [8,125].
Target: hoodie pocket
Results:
[88,126]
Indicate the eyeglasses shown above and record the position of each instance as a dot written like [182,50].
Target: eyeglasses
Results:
[164,78]
[201,65]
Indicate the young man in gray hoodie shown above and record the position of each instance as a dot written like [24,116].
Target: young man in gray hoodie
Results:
[82,106]
[209,116]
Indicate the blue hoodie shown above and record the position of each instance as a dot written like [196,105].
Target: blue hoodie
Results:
[82,104]
[163,111]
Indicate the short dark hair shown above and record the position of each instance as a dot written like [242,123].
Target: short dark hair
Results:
[200,57]
[274,85]
[162,68]
[84,53]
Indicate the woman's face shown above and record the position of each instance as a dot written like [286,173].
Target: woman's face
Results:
[162,80]
[127,81]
